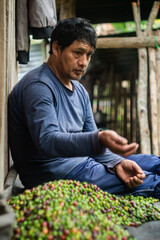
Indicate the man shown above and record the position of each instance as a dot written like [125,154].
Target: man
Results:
[52,133]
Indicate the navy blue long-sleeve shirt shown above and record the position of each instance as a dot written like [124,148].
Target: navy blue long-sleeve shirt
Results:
[51,128]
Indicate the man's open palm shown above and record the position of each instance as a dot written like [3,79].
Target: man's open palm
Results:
[117,144]
[130,173]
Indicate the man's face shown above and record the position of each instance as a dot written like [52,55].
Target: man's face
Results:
[74,59]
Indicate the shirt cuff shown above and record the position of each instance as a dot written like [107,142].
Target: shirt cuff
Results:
[110,165]
[98,148]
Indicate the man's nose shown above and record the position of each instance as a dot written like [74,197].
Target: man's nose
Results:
[83,60]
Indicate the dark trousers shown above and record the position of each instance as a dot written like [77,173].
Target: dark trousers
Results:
[94,172]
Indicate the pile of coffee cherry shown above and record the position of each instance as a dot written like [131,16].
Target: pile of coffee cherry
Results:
[70,210]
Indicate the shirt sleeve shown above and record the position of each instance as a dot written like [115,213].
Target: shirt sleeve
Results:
[41,119]
[109,160]
[89,123]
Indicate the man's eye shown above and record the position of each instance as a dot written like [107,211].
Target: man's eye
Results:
[77,53]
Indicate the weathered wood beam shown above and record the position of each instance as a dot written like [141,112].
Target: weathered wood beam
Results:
[152,17]
[142,106]
[67,9]
[127,42]
[153,99]
[142,87]
[137,17]
[158,94]
[8,77]
[152,79]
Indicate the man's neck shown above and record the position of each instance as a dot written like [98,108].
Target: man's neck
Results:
[66,83]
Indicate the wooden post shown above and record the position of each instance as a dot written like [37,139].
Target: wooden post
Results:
[152,17]
[142,87]
[116,94]
[8,76]
[158,94]
[67,9]
[142,102]
[152,79]
[153,99]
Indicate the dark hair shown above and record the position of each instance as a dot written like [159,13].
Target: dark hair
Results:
[68,30]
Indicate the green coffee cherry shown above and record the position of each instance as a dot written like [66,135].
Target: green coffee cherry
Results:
[71,210]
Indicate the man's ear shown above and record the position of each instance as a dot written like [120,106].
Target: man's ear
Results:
[56,48]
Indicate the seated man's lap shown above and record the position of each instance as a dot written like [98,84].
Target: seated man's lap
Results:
[147,162]
[93,172]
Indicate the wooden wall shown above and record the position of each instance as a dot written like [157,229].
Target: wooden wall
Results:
[8,76]
[112,81]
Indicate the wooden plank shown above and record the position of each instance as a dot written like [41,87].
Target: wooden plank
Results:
[142,87]
[8,77]
[127,42]
[142,103]
[116,97]
[153,99]
[67,8]
[2,89]
[132,84]
[152,79]
[152,16]
[158,94]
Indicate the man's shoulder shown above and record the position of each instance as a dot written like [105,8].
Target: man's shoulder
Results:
[38,73]
[38,76]
[79,87]
[41,75]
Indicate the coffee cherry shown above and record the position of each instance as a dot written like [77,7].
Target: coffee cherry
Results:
[72,210]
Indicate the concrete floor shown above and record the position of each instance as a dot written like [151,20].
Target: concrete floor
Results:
[147,231]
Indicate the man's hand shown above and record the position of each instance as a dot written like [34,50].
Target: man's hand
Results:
[117,144]
[130,173]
